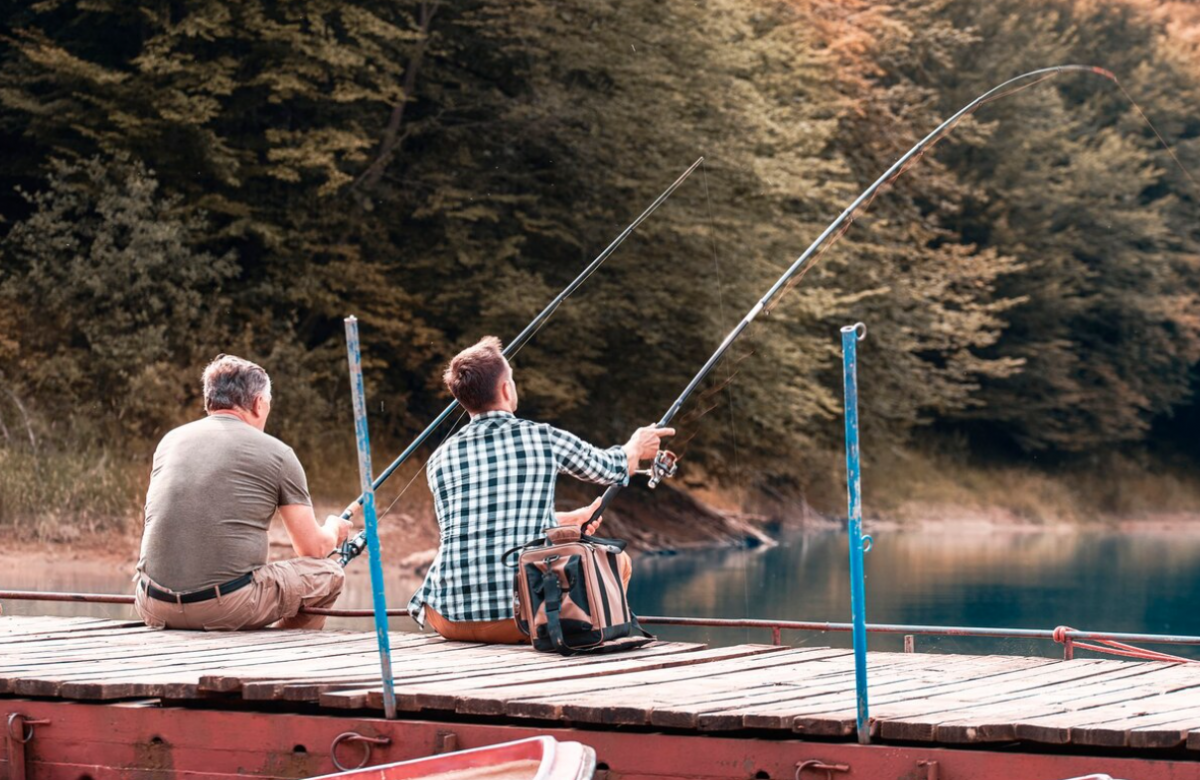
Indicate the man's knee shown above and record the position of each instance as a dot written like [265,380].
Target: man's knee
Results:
[336,574]
[624,568]
[310,576]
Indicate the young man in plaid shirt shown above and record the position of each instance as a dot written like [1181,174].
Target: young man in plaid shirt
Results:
[493,489]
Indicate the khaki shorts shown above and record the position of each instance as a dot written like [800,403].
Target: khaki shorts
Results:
[275,596]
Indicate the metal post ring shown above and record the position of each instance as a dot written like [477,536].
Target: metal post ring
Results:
[353,736]
[867,543]
[817,765]
[859,329]
[28,723]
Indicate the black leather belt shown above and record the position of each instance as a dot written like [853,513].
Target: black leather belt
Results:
[224,589]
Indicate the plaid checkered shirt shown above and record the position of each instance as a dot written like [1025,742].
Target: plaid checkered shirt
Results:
[493,489]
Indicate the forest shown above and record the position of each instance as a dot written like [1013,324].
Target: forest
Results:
[188,177]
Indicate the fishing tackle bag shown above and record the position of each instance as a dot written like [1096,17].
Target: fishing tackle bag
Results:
[567,594]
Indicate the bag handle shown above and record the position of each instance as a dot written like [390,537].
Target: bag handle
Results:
[550,538]
[504,557]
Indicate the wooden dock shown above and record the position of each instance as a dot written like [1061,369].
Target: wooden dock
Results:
[948,699]
[745,691]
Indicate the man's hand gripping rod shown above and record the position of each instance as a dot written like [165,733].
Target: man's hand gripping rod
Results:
[354,546]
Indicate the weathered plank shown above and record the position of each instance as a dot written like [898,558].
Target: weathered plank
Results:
[459,674]
[832,713]
[547,696]
[489,696]
[117,679]
[918,719]
[777,703]
[1049,715]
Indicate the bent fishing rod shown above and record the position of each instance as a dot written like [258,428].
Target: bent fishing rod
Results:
[665,462]
[353,547]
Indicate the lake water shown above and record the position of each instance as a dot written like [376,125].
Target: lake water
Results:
[1145,583]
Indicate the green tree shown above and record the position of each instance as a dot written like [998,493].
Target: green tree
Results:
[105,296]
[1068,179]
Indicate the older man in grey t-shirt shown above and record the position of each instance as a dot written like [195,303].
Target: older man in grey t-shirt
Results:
[215,485]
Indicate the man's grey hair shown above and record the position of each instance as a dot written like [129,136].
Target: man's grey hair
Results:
[233,383]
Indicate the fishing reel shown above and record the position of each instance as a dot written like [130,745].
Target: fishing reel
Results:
[664,466]
[351,548]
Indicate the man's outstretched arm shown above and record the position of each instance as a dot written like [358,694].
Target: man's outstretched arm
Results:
[612,466]
[311,539]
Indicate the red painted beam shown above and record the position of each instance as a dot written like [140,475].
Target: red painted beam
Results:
[134,741]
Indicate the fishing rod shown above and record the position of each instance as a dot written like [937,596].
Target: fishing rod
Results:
[353,547]
[665,463]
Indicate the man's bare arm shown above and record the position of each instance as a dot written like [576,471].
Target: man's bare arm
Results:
[311,539]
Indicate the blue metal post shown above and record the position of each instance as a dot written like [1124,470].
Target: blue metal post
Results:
[370,521]
[851,335]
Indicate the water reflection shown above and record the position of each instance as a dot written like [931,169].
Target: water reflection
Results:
[1116,582]
[1129,583]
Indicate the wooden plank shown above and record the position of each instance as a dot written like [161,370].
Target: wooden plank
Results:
[510,662]
[1049,716]
[148,676]
[831,712]
[183,681]
[14,626]
[615,707]
[353,699]
[488,695]
[918,720]
[230,680]
[1169,734]
[1161,730]
[539,697]
[996,722]
[471,657]
[723,711]
[160,644]
[54,681]
[1161,721]
[32,642]
[113,643]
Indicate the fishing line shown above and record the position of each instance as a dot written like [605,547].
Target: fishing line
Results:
[353,547]
[739,474]
[460,417]
[927,144]
[1161,140]
[800,266]
[421,470]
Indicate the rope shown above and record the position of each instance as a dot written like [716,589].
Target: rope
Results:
[1113,647]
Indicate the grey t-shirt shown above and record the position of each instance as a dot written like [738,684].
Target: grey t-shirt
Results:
[215,486]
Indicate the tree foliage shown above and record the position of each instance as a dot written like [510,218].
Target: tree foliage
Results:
[442,170]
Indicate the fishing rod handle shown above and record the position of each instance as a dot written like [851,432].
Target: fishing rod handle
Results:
[607,499]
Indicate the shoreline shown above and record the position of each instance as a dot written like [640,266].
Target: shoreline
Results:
[119,549]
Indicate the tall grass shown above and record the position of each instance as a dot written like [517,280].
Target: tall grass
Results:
[63,495]
[914,485]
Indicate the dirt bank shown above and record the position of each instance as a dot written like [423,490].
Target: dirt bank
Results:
[652,521]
